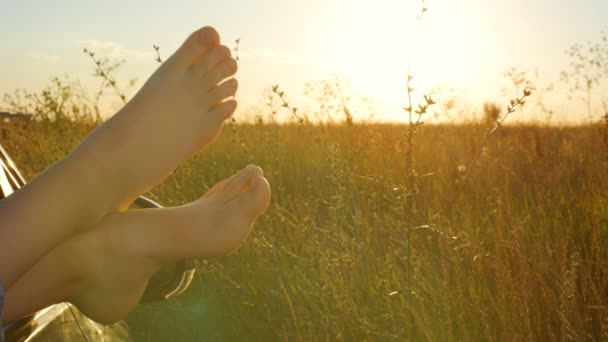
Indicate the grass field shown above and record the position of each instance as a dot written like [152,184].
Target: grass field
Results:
[511,247]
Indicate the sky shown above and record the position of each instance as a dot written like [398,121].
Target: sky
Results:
[463,45]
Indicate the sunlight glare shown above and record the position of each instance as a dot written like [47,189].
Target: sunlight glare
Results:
[375,45]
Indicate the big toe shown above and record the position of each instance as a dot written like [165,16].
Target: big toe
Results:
[242,182]
[197,44]
[254,201]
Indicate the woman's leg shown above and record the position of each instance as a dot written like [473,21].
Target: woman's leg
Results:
[177,112]
[104,271]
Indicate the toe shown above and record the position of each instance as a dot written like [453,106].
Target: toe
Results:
[223,110]
[241,182]
[197,45]
[223,91]
[220,72]
[211,59]
[255,201]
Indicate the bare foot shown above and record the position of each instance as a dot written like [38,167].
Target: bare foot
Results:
[178,111]
[135,247]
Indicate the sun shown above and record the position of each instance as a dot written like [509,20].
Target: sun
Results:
[376,44]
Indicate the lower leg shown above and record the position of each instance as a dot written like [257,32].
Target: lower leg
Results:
[53,279]
[50,208]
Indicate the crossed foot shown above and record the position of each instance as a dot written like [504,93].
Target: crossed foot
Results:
[105,271]
[101,257]
[178,111]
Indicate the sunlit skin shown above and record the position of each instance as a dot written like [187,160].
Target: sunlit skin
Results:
[180,110]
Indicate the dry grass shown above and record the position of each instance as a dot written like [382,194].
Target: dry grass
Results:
[517,252]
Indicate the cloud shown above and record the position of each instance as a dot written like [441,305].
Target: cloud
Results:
[281,56]
[114,50]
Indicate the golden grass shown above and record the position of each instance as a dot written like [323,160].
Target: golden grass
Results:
[518,252]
